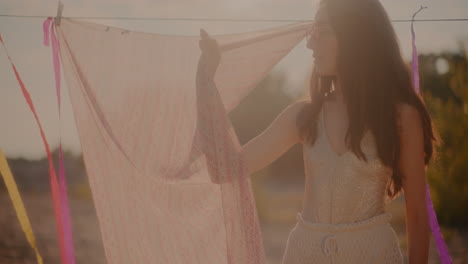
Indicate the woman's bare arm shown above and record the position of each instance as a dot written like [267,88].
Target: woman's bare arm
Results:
[280,135]
[276,139]
[414,185]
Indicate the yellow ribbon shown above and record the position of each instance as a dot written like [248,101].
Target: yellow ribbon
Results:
[18,204]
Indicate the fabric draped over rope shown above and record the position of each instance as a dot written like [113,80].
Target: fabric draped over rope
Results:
[137,106]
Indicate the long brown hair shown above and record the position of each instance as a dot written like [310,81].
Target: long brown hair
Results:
[374,79]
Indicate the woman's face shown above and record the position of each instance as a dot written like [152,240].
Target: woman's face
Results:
[322,40]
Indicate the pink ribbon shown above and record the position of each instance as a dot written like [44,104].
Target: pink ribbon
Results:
[49,33]
[439,239]
[53,177]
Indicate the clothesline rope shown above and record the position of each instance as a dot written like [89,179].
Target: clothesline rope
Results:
[238,20]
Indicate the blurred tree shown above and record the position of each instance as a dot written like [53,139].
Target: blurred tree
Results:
[446,96]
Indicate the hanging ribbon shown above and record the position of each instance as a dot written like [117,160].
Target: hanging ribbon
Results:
[439,239]
[49,33]
[18,203]
[53,177]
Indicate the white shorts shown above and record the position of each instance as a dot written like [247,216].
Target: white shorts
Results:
[369,241]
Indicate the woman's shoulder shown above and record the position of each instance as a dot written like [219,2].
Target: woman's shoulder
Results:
[294,108]
[300,104]
[302,100]
[298,108]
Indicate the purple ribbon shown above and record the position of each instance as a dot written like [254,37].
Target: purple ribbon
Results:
[439,239]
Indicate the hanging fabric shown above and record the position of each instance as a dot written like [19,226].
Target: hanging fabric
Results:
[143,127]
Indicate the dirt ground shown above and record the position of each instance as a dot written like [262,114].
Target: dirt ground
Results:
[14,248]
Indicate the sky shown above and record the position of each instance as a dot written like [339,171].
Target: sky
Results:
[19,134]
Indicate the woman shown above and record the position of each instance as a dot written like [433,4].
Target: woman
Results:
[366,137]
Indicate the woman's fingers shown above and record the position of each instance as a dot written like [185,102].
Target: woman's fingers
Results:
[203,33]
[202,41]
[210,57]
[206,41]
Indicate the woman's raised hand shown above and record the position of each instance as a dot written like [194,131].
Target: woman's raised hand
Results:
[210,57]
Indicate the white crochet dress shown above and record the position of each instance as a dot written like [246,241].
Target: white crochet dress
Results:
[344,219]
